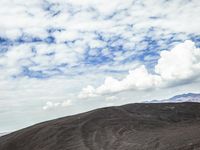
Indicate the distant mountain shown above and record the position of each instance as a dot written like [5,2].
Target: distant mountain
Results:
[155,126]
[189,97]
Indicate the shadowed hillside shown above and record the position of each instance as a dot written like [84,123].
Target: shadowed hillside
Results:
[174,126]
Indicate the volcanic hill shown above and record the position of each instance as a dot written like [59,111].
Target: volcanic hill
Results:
[154,126]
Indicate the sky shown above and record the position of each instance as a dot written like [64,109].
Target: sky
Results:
[63,57]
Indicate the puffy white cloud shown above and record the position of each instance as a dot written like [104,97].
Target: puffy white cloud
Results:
[111,98]
[12,61]
[138,79]
[17,53]
[66,36]
[66,103]
[52,105]
[182,62]
[179,64]
[89,91]
[75,16]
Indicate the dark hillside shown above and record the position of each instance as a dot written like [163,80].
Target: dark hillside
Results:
[174,126]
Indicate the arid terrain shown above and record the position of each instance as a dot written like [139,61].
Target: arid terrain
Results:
[166,126]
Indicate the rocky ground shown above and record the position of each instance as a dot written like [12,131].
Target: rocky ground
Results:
[166,126]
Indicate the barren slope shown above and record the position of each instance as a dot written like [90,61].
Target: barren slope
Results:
[128,127]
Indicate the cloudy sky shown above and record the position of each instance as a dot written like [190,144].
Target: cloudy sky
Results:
[62,57]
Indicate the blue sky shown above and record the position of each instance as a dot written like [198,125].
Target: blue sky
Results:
[61,57]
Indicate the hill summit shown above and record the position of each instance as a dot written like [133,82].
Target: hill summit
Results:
[156,126]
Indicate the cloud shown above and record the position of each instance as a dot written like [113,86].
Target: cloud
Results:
[181,63]
[89,33]
[50,105]
[50,50]
[53,105]
[138,79]
[66,103]
[89,91]
[111,98]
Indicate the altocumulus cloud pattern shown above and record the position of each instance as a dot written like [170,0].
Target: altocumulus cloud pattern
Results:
[55,53]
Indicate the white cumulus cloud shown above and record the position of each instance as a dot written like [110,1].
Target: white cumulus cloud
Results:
[180,64]
[52,105]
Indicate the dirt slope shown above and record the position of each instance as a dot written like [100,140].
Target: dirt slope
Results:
[128,127]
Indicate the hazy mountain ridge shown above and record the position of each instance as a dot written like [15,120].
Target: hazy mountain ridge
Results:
[189,97]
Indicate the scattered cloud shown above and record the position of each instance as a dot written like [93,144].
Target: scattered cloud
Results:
[111,98]
[53,105]
[49,38]
[180,64]
[89,91]
[50,50]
